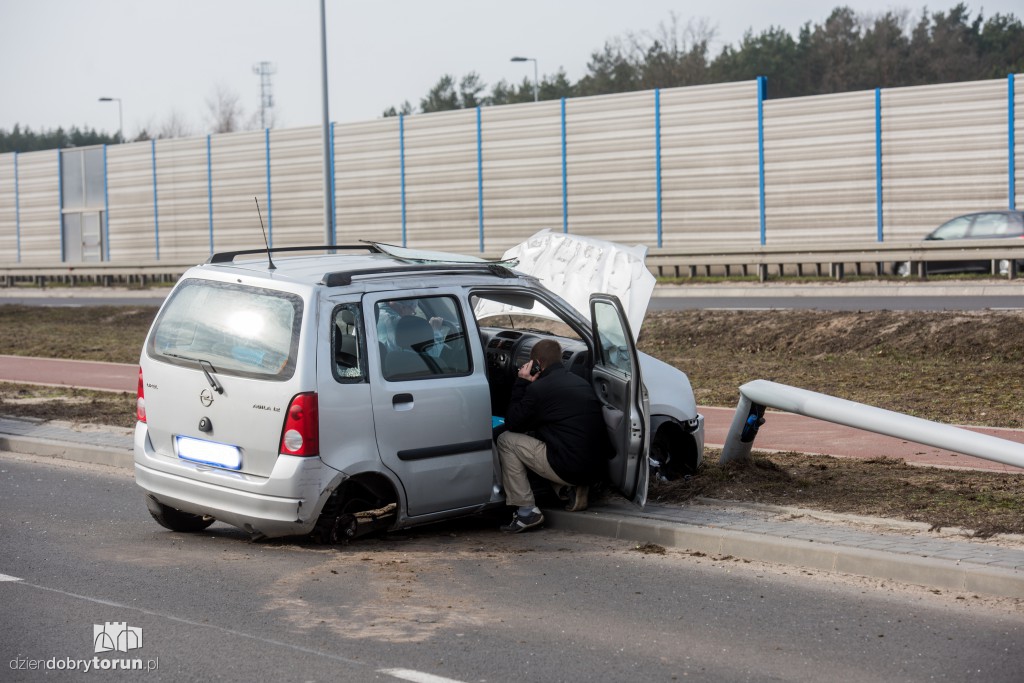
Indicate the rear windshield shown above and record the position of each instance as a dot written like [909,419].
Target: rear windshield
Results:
[239,330]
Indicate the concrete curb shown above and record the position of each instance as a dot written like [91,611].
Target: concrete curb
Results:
[807,554]
[64,450]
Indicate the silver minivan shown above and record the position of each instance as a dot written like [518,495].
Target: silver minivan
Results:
[337,394]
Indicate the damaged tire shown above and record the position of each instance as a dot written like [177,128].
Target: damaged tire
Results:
[177,520]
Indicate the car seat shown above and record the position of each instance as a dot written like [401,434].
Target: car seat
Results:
[414,337]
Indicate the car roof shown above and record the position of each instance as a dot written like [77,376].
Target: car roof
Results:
[364,261]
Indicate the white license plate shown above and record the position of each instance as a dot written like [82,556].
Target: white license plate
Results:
[209,452]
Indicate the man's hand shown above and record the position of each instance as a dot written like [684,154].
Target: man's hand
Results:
[524,371]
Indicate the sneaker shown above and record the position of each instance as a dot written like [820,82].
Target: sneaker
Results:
[522,523]
[577,498]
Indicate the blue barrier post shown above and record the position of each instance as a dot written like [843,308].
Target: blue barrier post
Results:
[60,201]
[106,208]
[334,194]
[1011,141]
[880,235]
[209,190]
[270,202]
[762,91]
[657,155]
[565,184]
[480,177]
[401,167]
[17,209]
[156,212]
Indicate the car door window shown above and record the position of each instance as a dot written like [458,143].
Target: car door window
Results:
[347,346]
[1015,224]
[421,338]
[613,346]
[989,225]
[954,230]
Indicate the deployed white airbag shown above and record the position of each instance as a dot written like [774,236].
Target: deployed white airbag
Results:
[574,267]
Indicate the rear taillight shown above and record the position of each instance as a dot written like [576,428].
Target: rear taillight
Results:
[140,402]
[301,433]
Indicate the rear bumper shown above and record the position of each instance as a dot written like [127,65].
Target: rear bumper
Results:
[286,503]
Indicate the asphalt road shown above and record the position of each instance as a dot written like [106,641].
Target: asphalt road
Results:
[457,601]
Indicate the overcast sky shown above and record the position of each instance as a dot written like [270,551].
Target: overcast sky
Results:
[59,56]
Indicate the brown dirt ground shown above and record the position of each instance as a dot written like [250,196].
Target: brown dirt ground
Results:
[985,502]
[71,405]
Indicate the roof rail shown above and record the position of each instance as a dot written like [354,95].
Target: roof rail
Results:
[343,278]
[229,256]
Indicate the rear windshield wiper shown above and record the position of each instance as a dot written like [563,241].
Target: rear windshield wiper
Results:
[204,365]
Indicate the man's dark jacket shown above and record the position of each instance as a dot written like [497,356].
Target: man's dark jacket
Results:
[561,409]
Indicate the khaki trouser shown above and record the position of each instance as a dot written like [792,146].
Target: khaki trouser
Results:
[518,453]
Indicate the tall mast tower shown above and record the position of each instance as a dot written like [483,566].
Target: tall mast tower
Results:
[265,70]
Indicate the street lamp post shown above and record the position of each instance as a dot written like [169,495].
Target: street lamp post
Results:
[120,117]
[536,91]
[328,179]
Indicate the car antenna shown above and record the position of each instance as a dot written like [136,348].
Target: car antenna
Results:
[265,241]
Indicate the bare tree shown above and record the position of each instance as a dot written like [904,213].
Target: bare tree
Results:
[224,111]
[175,126]
[674,54]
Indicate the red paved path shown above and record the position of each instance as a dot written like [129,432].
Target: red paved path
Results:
[71,373]
[781,431]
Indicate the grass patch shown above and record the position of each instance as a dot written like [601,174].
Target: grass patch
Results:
[104,333]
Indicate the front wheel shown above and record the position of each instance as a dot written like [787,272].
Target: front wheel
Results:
[672,457]
[177,520]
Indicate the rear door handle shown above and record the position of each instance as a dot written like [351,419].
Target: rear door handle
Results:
[402,401]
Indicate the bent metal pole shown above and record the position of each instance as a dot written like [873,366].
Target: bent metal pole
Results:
[759,394]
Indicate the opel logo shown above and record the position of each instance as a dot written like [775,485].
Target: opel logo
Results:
[206,397]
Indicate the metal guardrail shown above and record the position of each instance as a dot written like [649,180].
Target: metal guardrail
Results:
[757,395]
[874,258]
[105,274]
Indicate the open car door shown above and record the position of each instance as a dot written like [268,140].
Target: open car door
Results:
[617,382]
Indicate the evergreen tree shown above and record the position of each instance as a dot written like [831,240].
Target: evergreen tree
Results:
[846,52]
[20,139]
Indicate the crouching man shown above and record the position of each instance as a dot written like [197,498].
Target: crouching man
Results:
[555,429]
